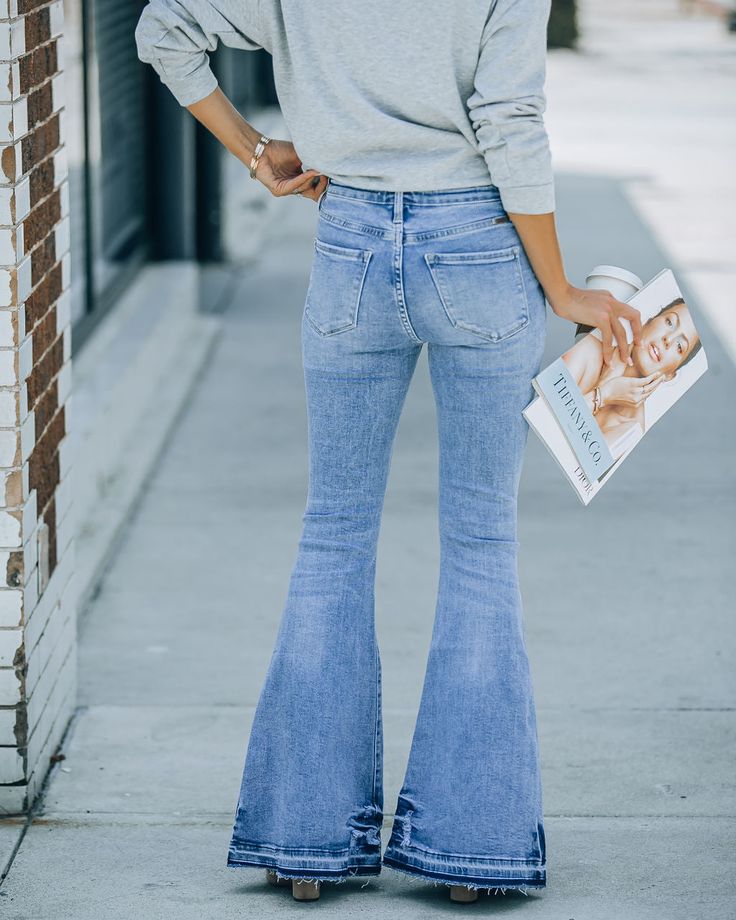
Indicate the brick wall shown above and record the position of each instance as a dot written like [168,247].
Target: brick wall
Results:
[37,610]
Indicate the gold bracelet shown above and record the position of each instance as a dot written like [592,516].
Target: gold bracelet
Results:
[260,147]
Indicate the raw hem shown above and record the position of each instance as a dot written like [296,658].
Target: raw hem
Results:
[316,868]
[467,879]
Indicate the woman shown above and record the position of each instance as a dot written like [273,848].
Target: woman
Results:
[421,122]
[668,341]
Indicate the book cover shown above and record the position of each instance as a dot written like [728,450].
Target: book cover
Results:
[590,447]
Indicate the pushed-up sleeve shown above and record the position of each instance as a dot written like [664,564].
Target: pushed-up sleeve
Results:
[175,36]
[507,105]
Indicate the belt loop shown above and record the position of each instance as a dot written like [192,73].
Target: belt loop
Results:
[398,207]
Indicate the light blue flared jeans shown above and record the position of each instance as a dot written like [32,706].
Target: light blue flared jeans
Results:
[391,271]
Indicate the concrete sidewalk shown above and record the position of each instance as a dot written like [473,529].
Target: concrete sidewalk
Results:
[628,623]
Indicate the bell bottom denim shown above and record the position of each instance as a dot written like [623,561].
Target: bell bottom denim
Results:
[391,271]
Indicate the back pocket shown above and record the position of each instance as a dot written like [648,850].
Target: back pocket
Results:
[482,292]
[335,287]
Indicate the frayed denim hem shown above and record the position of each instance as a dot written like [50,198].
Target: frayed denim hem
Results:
[307,864]
[308,875]
[536,881]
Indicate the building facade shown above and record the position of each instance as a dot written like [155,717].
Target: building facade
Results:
[37,616]
[109,199]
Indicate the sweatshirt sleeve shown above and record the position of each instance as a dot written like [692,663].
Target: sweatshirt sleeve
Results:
[508,102]
[174,36]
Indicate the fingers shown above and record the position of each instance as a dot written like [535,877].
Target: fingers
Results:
[300,183]
[615,330]
[316,190]
[618,310]
[607,342]
[634,318]
[305,182]
[620,335]
[649,385]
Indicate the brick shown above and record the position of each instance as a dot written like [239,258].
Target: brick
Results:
[11,243]
[42,181]
[6,94]
[30,559]
[40,143]
[8,409]
[27,436]
[9,447]
[56,15]
[62,232]
[43,464]
[13,38]
[11,606]
[38,27]
[37,627]
[37,619]
[24,279]
[6,122]
[44,335]
[49,516]
[11,765]
[13,489]
[43,373]
[37,66]
[12,563]
[10,159]
[39,107]
[10,535]
[25,359]
[10,687]
[8,323]
[8,365]
[11,644]
[41,220]
[43,258]
[8,278]
[42,297]
[63,307]
[55,651]
[27,6]
[46,408]
[7,205]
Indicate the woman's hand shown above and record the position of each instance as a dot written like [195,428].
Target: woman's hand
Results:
[601,310]
[629,391]
[280,170]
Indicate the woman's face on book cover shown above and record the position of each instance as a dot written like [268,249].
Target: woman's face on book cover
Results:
[666,340]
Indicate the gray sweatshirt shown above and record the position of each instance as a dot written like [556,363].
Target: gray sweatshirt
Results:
[402,95]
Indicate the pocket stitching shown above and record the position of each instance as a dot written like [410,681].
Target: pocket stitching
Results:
[474,226]
[353,225]
[351,255]
[480,257]
[511,253]
[344,252]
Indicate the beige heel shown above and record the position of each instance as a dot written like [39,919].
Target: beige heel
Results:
[303,890]
[273,879]
[463,895]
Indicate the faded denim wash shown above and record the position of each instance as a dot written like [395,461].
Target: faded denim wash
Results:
[391,271]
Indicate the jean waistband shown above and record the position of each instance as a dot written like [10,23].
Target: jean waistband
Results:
[436,196]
